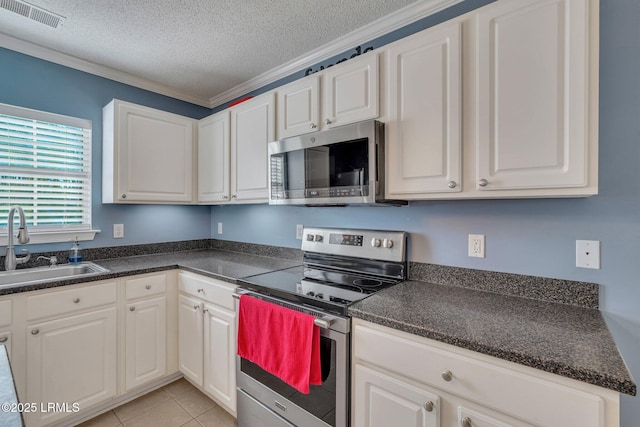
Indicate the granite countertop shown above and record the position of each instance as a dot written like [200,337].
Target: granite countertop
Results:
[563,339]
[219,264]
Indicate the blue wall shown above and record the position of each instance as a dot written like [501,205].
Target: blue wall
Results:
[534,237]
[32,83]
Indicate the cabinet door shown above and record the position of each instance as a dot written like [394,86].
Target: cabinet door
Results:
[219,355]
[145,341]
[532,63]
[252,129]
[351,91]
[423,146]
[382,401]
[214,158]
[190,338]
[71,360]
[299,107]
[153,155]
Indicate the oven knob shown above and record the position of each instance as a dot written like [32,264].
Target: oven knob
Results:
[310,294]
[318,237]
[320,296]
[310,237]
[387,243]
[375,242]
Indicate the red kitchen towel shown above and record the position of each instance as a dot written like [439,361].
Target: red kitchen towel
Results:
[281,341]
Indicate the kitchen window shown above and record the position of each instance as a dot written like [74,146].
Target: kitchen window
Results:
[45,167]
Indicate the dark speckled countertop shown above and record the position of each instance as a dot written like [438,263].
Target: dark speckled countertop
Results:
[219,264]
[567,340]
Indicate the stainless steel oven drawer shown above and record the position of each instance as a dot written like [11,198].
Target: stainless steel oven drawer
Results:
[253,413]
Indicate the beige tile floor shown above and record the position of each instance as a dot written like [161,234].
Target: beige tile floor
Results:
[178,404]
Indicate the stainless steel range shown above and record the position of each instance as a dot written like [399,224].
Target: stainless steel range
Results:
[340,267]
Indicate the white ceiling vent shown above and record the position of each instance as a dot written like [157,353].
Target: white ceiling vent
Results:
[32,12]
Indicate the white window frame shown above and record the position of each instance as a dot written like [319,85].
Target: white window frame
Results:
[54,233]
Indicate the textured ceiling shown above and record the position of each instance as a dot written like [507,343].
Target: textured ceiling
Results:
[197,47]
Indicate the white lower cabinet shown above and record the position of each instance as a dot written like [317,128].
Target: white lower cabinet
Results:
[405,380]
[71,360]
[146,341]
[207,336]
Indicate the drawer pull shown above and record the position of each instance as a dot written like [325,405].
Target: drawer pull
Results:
[35,331]
[148,287]
[447,376]
[76,300]
[4,339]
[132,308]
[466,422]
[428,406]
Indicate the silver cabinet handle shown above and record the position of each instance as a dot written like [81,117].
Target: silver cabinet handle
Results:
[225,197]
[132,308]
[327,121]
[428,406]
[4,339]
[124,196]
[35,331]
[76,300]
[196,307]
[147,287]
[452,184]
[312,126]
[200,290]
[447,376]
[483,182]
[233,196]
[466,422]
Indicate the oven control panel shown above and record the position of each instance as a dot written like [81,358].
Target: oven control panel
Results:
[370,244]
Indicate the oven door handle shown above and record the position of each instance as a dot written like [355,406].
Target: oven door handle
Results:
[318,321]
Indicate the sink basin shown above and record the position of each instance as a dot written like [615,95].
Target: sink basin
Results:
[29,276]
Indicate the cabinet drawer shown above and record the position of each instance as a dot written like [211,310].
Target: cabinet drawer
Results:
[144,286]
[70,300]
[5,313]
[211,290]
[496,386]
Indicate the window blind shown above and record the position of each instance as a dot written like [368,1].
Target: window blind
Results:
[45,167]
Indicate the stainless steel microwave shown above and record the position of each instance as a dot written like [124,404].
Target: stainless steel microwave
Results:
[339,166]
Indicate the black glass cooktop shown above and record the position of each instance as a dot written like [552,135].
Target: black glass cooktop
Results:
[321,288]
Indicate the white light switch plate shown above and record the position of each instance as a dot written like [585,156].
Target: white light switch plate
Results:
[219,228]
[118,231]
[299,229]
[588,254]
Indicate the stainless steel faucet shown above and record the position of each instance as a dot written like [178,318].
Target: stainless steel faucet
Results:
[10,260]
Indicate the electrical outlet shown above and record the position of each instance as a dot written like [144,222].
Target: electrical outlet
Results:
[299,229]
[219,228]
[476,245]
[118,231]
[588,254]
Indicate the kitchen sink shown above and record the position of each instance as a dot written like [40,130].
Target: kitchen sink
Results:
[29,276]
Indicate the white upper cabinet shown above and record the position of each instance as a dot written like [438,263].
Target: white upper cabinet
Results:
[214,158]
[345,93]
[147,155]
[351,91]
[424,134]
[252,129]
[532,95]
[299,107]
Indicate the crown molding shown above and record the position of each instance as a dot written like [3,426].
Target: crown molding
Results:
[56,57]
[382,26]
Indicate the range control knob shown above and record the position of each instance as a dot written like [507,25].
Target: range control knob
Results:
[320,296]
[387,243]
[318,237]
[311,294]
[310,237]
[376,242]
